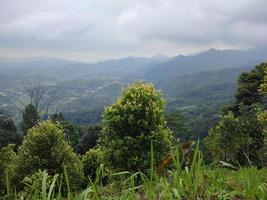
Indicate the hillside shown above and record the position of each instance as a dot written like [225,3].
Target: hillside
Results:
[205,61]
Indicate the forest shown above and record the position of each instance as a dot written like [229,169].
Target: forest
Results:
[196,136]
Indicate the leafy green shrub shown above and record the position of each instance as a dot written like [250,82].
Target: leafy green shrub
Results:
[7,156]
[237,140]
[45,148]
[91,161]
[129,126]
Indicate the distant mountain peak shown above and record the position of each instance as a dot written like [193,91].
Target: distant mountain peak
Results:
[160,57]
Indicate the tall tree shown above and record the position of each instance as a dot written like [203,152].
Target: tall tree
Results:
[30,118]
[240,138]
[248,92]
[131,125]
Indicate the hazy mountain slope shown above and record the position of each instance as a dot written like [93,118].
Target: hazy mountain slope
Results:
[187,83]
[64,69]
[201,96]
[206,61]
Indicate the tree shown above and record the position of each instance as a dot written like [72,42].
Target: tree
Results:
[45,148]
[131,124]
[30,118]
[250,152]
[248,92]
[58,117]
[225,139]
[8,132]
[40,99]
[262,117]
[240,137]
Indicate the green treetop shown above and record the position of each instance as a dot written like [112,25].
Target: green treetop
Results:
[130,125]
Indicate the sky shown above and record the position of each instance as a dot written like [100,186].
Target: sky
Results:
[93,30]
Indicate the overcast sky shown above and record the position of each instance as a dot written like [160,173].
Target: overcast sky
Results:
[91,30]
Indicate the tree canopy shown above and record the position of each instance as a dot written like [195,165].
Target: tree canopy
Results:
[239,135]
[131,125]
[30,118]
[45,148]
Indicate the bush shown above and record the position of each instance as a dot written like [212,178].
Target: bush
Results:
[91,161]
[129,126]
[45,148]
[7,156]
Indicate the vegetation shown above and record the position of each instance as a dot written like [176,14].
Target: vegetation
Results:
[196,181]
[239,135]
[131,124]
[141,151]
[8,132]
[7,155]
[30,118]
[45,148]
[91,161]
[248,92]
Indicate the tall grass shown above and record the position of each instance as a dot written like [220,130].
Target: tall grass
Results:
[179,181]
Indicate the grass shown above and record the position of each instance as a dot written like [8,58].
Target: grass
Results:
[193,182]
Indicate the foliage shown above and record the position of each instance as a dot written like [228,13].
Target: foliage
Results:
[89,137]
[249,83]
[91,161]
[238,139]
[7,155]
[262,117]
[190,182]
[225,139]
[264,84]
[131,124]
[30,118]
[239,136]
[45,148]
[81,138]
[72,132]
[8,132]
[250,153]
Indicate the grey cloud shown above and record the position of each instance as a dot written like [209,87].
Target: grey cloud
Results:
[116,25]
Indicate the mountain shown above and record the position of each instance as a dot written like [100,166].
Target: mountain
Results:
[209,60]
[65,69]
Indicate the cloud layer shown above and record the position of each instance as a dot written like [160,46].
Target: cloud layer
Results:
[131,27]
